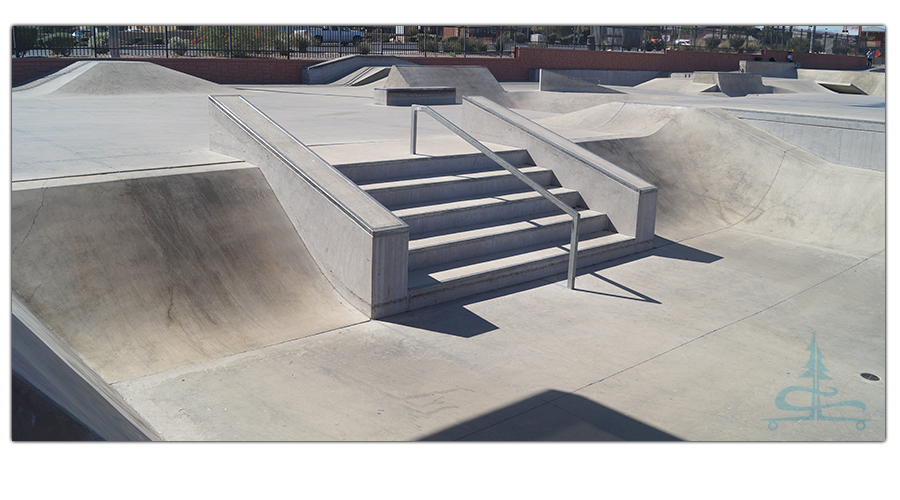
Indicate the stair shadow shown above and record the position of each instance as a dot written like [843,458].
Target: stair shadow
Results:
[452,318]
[553,416]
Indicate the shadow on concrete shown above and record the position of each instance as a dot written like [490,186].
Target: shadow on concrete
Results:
[635,295]
[553,416]
[663,247]
[452,318]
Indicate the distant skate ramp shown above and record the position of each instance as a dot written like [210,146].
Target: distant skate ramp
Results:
[116,78]
[468,80]
[715,171]
[143,275]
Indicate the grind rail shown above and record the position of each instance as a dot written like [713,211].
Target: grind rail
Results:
[576,217]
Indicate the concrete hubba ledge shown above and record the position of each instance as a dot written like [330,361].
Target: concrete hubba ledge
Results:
[407,96]
[629,201]
[359,245]
[467,80]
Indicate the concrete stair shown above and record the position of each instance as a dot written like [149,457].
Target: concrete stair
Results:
[474,227]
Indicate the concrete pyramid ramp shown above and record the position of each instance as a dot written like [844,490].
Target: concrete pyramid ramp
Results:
[715,171]
[553,81]
[468,80]
[143,275]
[116,78]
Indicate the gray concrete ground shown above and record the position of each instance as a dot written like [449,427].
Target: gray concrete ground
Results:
[693,340]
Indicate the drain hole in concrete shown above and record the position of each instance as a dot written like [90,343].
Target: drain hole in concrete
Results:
[869,376]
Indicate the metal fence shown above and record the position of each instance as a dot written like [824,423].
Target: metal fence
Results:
[328,42]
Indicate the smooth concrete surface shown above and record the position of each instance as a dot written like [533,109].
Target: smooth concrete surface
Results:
[694,339]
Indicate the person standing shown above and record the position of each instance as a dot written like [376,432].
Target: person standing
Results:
[870,55]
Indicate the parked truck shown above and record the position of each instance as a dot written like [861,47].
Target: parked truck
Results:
[333,34]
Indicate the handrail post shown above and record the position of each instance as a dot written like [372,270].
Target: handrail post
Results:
[573,251]
[412,129]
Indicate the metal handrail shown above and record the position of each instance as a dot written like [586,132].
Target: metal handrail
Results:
[576,217]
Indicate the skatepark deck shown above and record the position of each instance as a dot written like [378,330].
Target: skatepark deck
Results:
[191,297]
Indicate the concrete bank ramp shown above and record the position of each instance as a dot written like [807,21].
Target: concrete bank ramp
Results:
[116,78]
[364,76]
[715,171]
[142,275]
[679,85]
[468,80]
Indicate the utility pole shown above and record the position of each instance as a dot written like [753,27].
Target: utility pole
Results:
[812,38]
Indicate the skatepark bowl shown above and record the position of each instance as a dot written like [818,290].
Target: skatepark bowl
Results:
[201,262]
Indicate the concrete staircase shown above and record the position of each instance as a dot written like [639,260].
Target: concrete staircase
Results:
[474,227]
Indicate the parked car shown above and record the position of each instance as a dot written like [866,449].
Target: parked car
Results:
[79,34]
[333,34]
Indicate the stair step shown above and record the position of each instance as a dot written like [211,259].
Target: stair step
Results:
[379,171]
[467,212]
[441,283]
[444,246]
[421,190]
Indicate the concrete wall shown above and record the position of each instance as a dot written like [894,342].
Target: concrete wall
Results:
[359,245]
[629,201]
[769,68]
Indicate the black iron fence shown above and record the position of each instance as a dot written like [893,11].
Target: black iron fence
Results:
[327,42]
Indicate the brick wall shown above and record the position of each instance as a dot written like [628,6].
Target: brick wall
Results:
[507,69]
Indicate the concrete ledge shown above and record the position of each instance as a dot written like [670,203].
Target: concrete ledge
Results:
[769,68]
[359,245]
[407,96]
[629,201]
[853,143]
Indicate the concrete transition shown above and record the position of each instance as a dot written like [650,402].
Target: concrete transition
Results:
[116,78]
[168,270]
[760,184]
[734,84]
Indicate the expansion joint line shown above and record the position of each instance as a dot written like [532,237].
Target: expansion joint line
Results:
[679,346]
